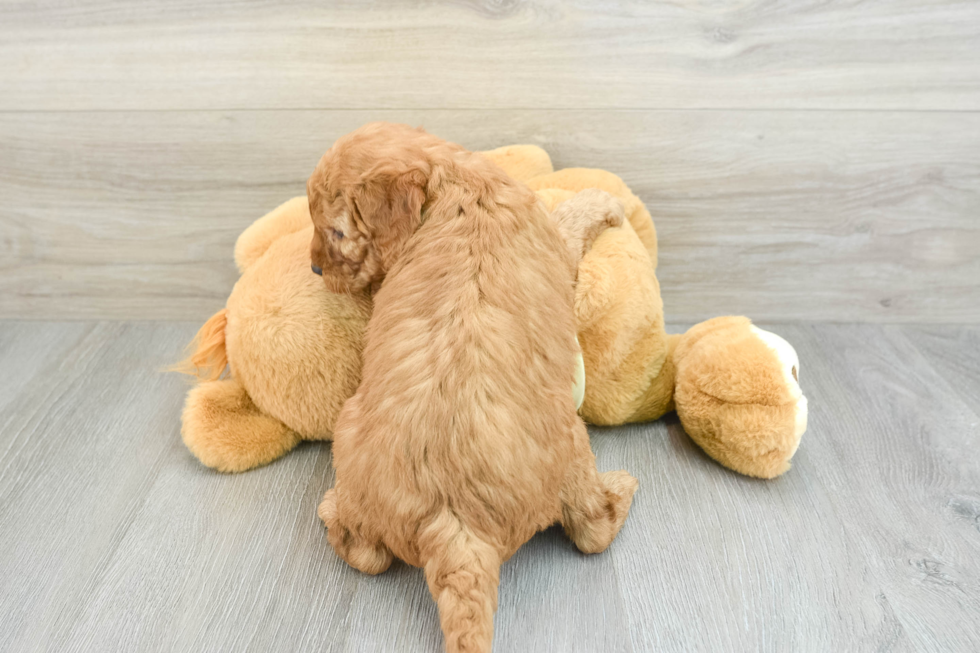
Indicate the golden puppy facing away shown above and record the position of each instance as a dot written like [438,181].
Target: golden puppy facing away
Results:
[462,440]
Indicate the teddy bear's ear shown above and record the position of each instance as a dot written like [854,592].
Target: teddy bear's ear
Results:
[577,179]
[521,162]
[287,218]
[584,216]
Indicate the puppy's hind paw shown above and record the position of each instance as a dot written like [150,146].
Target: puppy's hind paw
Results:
[327,510]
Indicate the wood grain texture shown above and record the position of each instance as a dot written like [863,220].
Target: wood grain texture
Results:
[870,542]
[82,438]
[954,352]
[781,216]
[413,54]
[112,537]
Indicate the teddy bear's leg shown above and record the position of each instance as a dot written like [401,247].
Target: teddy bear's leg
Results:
[371,557]
[628,353]
[226,431]
[738,395]
[594,505]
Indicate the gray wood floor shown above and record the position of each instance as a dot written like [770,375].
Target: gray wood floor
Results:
[805,161]
[113,538]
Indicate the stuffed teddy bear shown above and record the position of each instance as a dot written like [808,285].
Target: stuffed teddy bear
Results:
[292,348]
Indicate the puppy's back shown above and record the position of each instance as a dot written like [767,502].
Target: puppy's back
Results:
[466,399]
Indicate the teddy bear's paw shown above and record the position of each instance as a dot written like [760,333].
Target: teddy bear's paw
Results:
[738,395]
[224,429]
[789,363]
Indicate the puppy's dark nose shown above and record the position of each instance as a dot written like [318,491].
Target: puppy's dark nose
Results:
[317,270]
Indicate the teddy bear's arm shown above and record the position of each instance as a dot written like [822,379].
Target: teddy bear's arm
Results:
[287,218]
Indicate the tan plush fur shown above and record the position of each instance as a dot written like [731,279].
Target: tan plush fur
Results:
[209,355]
[273,315]
[462,440]
[281,318]
[733,399]
[579,179]
[228,432]
[288,218]
[583,217]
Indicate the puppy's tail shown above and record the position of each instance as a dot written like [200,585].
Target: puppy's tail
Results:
[208,358]
[463,572]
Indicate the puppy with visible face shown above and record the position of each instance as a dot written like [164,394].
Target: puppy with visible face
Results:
[462,440]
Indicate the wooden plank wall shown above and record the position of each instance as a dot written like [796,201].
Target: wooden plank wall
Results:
[803,160]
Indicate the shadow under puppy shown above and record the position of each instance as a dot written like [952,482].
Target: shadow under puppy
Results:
[462,440]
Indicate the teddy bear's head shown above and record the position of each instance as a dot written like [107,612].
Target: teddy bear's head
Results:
[279,311]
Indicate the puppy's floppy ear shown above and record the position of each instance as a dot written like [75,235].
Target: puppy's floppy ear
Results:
[386,206]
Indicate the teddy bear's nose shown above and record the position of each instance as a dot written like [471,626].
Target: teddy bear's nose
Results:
[317,270]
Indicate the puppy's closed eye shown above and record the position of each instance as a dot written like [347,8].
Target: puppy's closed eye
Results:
[339,235]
